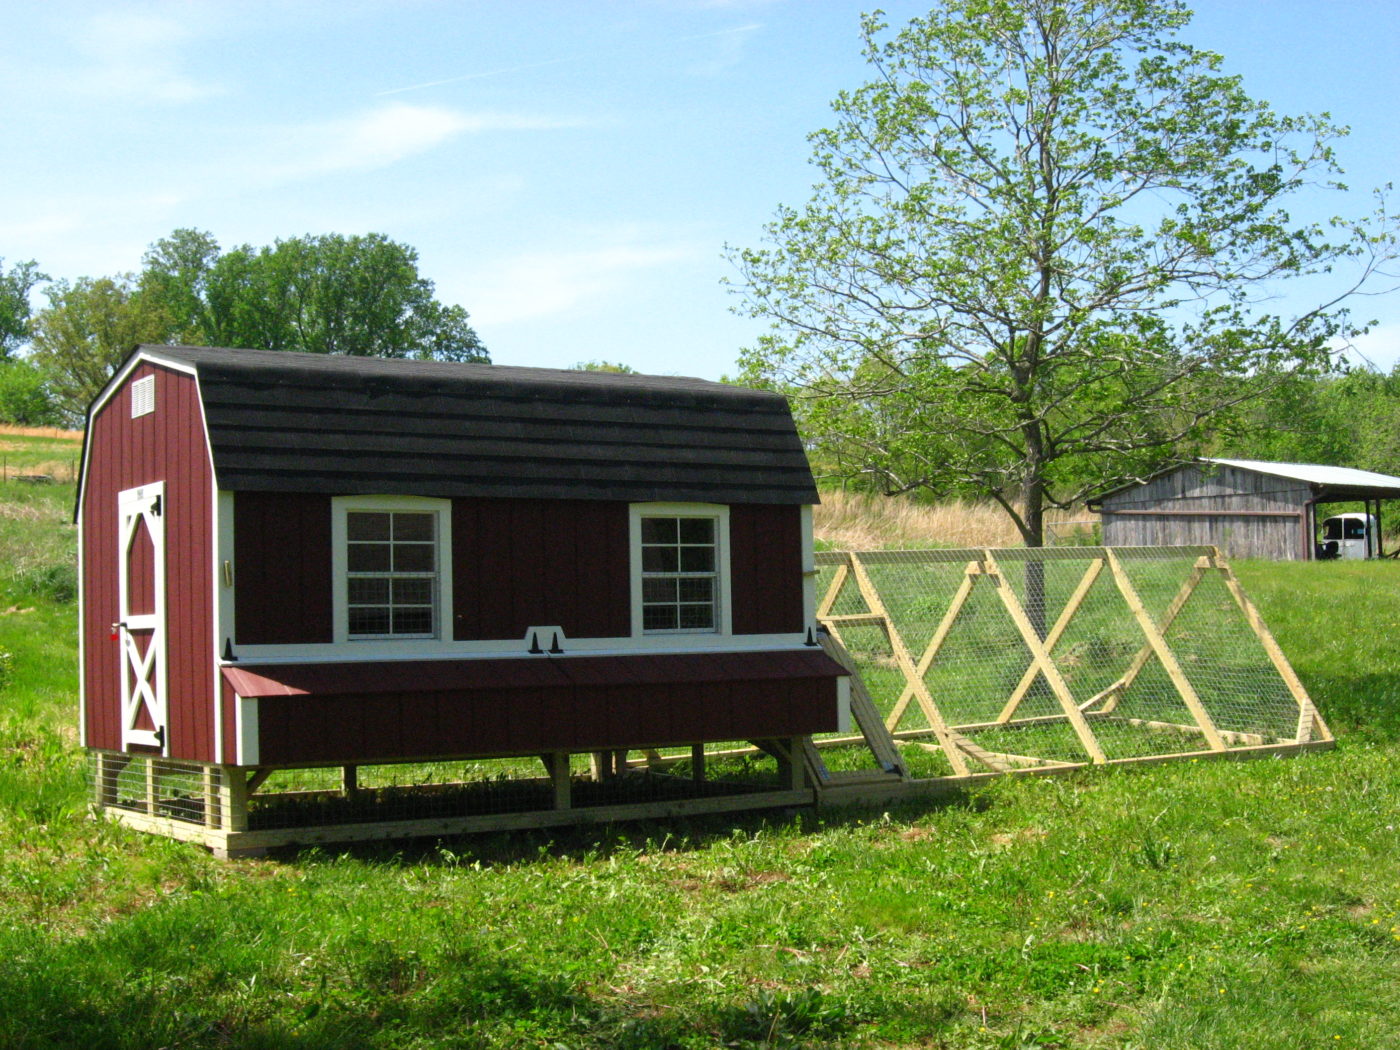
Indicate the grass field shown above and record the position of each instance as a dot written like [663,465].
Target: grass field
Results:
[1182,907]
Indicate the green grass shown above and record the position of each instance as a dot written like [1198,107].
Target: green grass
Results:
[1188,906]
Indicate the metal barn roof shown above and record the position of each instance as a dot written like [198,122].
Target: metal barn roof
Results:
[1317,474]
[1327,483]
[280,421]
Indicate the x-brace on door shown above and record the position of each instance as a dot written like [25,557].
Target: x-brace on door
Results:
[141,625]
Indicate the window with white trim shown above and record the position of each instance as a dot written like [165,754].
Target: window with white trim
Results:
[680,569]
[392,568]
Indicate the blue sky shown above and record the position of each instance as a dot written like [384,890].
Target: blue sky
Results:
[568,171]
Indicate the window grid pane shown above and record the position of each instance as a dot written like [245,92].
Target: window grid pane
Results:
[392,578]
[679,578]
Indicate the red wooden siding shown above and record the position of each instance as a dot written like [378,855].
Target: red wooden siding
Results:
[765,569]
[519,563]
[282,558]
[167,445]
[348,713]
[228,717]
[523,563]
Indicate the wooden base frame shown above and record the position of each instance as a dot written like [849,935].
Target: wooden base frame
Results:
[209,804]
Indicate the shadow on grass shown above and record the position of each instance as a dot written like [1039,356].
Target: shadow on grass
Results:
[1365,706]
[601,841]
[141,985]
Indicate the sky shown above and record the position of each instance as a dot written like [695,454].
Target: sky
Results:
[569,171]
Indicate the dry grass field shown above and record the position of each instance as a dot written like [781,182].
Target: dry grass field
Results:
[858,522]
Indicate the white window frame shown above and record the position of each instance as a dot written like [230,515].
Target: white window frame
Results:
[441,509]
[717,512]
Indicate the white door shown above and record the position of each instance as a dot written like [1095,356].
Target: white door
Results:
[141,612]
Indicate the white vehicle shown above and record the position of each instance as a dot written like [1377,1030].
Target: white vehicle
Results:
[1349,537]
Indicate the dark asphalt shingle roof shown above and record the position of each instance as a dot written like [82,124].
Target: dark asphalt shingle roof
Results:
[291,422]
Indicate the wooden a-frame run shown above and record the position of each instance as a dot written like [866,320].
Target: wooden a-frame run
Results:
[853,601]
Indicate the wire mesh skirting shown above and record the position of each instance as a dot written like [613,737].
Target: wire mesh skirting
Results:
[199,795]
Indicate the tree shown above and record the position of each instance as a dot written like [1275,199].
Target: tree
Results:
[328,294]
[25,398]
[1034,262]
[15,287]
[175,274]
[86,331]
[604,366]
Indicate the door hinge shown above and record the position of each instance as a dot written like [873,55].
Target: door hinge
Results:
[155,507]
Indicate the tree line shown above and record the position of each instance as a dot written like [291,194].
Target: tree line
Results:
[332,294]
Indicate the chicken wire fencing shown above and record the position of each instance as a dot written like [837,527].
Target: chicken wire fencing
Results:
[988,661]
[144,790]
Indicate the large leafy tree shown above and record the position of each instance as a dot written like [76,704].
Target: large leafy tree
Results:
[327,294]
[15,286]
[1039,256]
[86,331]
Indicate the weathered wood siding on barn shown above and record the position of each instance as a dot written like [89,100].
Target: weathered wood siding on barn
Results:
[166,445]
[518,563]
[1245,513]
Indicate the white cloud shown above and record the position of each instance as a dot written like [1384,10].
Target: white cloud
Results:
[138,55]
[376,138]
[728,49]
[539,284]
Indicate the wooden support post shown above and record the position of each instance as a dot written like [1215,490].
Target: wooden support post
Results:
[233,798]
[556,764]
[604,765]
[1310,723]
[795,777]
[697,763]
[210,779]
[350,781]
[152,786]
[1166,657]
[1031,637]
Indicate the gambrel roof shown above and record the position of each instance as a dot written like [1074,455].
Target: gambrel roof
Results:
[292,422]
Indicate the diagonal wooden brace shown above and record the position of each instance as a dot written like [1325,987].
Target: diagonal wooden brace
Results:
[906,666]
[1167,658]
[1052,639]
[970,575]
[1042,661]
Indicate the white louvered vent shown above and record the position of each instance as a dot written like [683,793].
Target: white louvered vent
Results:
[143,397]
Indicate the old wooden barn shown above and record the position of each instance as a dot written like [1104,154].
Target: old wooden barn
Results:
[1246,508]
[295,560]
